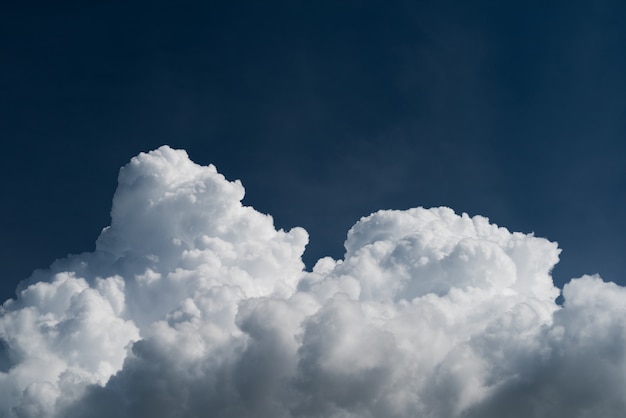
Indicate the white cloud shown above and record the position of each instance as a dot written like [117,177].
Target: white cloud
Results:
[194,305]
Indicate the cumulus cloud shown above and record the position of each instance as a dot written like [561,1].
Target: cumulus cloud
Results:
[193,305]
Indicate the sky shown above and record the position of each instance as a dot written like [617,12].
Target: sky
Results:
[327,112]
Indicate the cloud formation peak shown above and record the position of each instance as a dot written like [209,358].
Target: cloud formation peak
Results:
[194,305]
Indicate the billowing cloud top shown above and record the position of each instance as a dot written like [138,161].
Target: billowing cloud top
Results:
[193,305]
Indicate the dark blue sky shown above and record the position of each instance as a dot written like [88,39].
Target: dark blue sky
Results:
[325,110]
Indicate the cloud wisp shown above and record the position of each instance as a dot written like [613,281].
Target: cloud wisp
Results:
[193,305]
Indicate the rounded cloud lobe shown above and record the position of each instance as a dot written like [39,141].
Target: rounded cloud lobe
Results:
[194,305]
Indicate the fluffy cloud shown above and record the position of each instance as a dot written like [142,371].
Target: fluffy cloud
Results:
[193,305]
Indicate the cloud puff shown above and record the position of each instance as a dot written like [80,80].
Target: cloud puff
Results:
[194,305]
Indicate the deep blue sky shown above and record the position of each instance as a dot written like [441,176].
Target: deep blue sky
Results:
[326,110]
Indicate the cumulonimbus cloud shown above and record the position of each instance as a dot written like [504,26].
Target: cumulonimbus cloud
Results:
[193,305]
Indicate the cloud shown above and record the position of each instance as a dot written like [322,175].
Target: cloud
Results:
[193,305]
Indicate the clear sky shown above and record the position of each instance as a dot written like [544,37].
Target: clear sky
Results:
[327,111]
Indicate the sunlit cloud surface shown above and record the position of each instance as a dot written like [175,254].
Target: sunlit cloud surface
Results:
[193,305]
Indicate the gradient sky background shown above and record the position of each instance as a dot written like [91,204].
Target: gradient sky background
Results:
[327,111]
